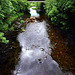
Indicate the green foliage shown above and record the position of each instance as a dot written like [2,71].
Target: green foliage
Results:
[10,10]
[6,7]
[4,27]
[1,34]
[12,18]
[62,12]
[31,4]
[11,28]
[22,21]
[53,11]
[34,8]
[3,38]
[49,5]
[19,5]
[13,24]
[36,4]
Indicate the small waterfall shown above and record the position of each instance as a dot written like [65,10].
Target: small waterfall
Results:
[33,12]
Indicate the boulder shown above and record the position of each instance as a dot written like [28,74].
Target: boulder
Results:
[32,18]
[28,20]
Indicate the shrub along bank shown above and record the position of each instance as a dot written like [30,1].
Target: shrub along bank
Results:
[9,11]
[61,13]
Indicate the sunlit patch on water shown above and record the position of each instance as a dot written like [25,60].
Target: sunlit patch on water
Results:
[35,56]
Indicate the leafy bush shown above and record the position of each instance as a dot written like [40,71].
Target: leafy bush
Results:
[53,11]
[31,4]
[49,4]
[36,4]
[34,8]
[4,27]
[9,11]
[3,38]
[22,21]
[19,5]
[11,28]
[12,18]
[62,12]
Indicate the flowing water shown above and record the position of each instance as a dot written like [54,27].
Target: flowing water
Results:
[33,12]
[37,51]
[35,56]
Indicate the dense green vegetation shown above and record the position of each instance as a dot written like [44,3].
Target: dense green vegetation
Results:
[36,4]
[61,12]
[9,11]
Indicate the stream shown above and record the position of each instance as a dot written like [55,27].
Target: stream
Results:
[35,47]
[35,56]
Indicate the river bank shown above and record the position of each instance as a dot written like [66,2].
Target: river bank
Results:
[62,51]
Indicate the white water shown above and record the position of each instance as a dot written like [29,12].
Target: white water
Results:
[35,56]
[33,12]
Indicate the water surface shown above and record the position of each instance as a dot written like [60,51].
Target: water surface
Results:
[35,57]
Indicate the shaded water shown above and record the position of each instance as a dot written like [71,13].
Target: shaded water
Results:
[35,57]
